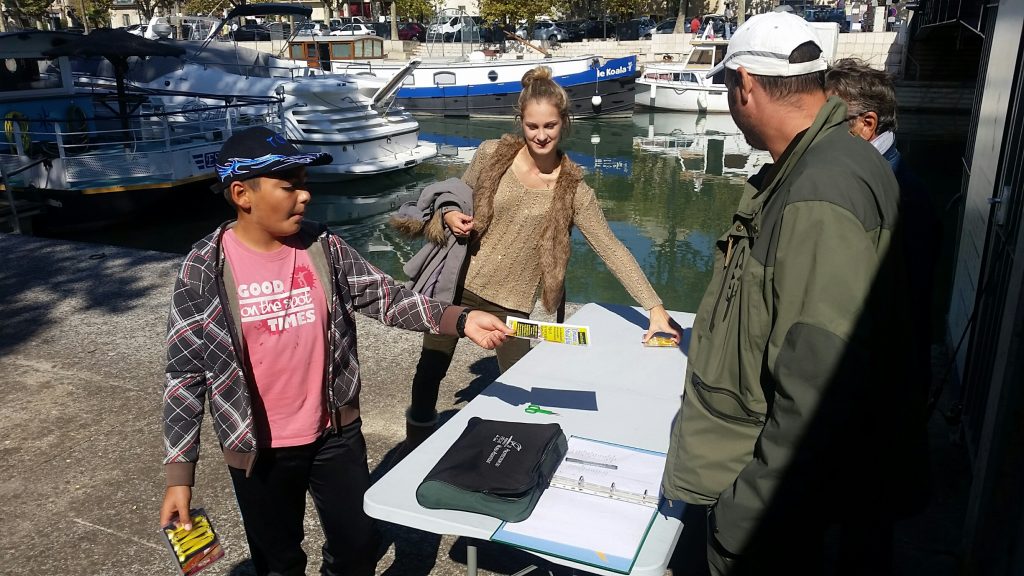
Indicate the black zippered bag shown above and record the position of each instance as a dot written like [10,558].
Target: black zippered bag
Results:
[495,468]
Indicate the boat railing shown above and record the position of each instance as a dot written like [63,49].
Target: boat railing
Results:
[264,70]
[352,67]
[114,153]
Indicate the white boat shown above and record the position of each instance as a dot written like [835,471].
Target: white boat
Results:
[352,118]
[683,87]
[70,148]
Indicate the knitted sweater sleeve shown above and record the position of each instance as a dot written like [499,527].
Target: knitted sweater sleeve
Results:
[589,218]
[477,165]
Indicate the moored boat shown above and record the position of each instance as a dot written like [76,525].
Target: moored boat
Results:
[93,155]
[352,118]
[683,87]
[479,86]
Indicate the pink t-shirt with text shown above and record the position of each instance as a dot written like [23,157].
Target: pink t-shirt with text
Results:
[284,323]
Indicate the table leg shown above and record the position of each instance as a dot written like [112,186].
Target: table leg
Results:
[470,557]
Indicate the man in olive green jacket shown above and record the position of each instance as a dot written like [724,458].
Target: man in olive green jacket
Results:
[793,416]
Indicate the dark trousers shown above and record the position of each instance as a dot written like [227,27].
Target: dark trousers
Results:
[437,352]
[273,503]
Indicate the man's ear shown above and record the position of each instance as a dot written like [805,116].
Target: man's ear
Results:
[240,195]
[869,120]
[745,83]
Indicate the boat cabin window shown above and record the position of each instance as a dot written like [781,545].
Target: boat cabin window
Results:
[702,56]
[363,48]
[369,48]
[341,51]
[18,74]
[444,78]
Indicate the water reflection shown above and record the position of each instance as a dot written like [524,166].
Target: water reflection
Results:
[706,144]
[668,183]
[664,205]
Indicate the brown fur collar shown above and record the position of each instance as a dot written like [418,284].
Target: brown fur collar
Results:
[432,230]
[554,240]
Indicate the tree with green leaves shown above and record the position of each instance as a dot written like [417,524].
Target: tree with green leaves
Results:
[148,8]
[205,7]
[97,13]
[28,13]
[622,8]
[515,10]
[416,10]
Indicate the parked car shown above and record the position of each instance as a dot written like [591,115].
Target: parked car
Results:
[573,32]
[446,30]
[279,29]
[412,31]
[666,26]
[647,26]
[353,30]
[382,29]
[545,31]
[250,32]
[311,29]
[138,29]
[598,29]
[337,23]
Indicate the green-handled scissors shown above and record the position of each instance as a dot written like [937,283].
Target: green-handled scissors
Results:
[534,409]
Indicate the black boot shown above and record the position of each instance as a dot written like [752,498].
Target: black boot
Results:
[415,434]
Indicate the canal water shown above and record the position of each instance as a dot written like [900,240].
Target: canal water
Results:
[668,184]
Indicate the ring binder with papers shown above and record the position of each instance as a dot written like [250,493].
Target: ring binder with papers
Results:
[598,509]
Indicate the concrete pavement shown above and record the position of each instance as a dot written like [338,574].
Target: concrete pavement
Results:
[81,373]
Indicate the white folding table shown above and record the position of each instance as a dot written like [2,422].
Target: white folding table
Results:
[616,390]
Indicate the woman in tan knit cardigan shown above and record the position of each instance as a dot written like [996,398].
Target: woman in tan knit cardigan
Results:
[527,195]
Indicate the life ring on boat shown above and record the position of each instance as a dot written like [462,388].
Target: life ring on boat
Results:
[15,118]
[76,125]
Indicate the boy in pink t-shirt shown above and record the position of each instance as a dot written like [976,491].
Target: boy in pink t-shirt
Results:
[261,326]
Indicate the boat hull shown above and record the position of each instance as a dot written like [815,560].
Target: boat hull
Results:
[402,158]
[616,100]
[466,89]
[683,98]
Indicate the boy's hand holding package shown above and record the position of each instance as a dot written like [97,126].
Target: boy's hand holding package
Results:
[177,500]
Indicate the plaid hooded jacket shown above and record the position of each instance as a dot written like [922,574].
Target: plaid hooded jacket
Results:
[205,351]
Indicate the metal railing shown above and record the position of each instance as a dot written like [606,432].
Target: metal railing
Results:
[139,150]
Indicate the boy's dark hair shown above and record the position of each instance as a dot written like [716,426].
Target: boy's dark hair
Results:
[864,89]
[784,87]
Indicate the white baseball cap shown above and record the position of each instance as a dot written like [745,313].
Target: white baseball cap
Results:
[763,44]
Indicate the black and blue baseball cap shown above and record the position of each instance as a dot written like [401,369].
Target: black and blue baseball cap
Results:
[260,151]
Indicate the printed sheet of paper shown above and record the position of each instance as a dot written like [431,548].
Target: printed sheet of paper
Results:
[582,527]
[549,331]
[600,463]
[589,525]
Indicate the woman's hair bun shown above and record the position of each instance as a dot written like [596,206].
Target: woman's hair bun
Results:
[538,73]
